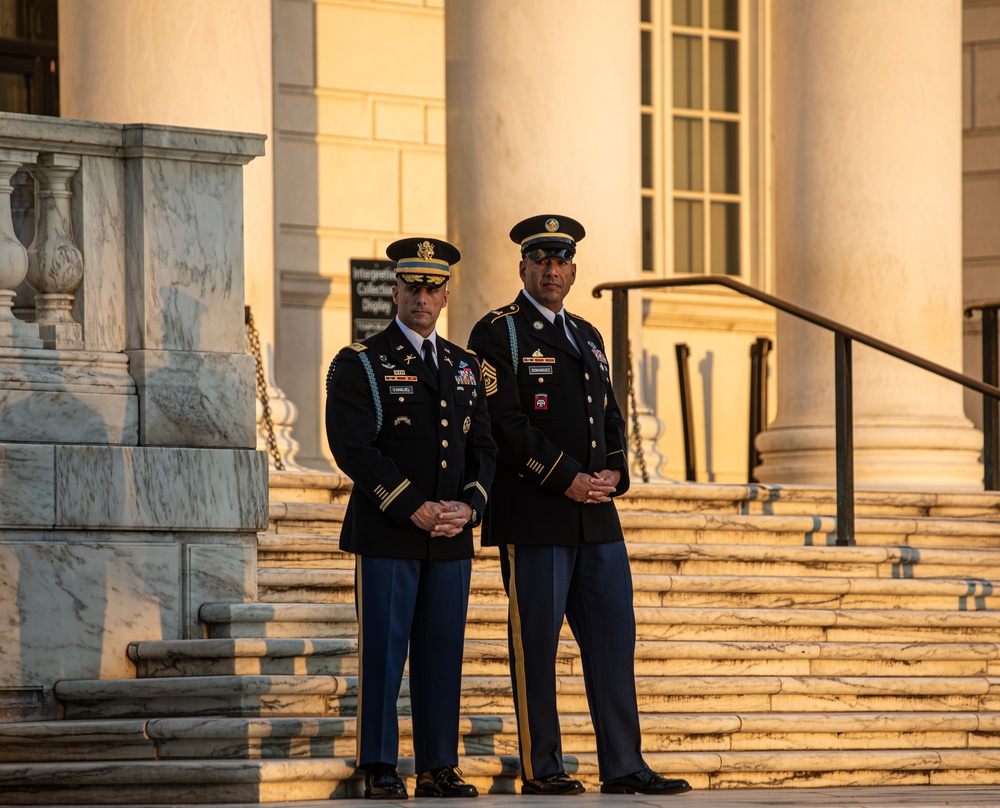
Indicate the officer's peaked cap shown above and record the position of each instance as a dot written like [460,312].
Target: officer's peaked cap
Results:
[423,261]
[547,231]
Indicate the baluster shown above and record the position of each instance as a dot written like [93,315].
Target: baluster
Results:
[13,257]
[22,206]
[55,263]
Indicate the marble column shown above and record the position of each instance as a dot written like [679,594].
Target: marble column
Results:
[197,64]
[543,117]
[867,145]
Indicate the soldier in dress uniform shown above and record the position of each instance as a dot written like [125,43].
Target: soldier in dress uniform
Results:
[407,421]
[561,460]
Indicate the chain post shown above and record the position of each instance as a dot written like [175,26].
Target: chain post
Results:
[254,340]
[636,432]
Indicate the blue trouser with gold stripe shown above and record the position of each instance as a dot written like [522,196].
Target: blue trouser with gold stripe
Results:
[592,586]
[420,604]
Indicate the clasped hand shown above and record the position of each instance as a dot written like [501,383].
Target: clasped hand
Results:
[591,489]
[444,518]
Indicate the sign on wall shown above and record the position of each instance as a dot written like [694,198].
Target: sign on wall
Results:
[371,296]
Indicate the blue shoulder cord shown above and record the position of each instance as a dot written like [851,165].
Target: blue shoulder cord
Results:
[375,396]
[513,343]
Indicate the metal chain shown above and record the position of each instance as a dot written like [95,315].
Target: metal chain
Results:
[272,444]
[636,434]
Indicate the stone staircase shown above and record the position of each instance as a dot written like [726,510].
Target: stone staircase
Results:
[767,657]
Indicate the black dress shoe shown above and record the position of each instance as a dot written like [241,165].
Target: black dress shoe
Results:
[383,783]
[443,782]
[555,785]
[645,781]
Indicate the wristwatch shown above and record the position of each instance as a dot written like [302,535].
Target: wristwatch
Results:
[475,519]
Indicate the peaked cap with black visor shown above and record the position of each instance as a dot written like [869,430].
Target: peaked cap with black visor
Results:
[547,236]
[423,261]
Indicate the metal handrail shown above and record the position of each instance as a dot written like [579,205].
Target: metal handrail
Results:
[844,336]
[991,416]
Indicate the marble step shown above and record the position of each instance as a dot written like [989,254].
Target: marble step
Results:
[724,528]
[253,781]
[315,620]
[273,657]
[305,518]
[213,738]
[247,656]
[336,695]
[98,739]
[208,696]
[788,499]
[745,560]
[916,532]
[681,497]
[718,591]
[308,486]
[751,560]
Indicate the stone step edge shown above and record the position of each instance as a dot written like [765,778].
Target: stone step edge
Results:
[329,480]
[807,524]
[235,648]
[632,519]
[242,685]
[841,618]
[762,492]
[260,728]
[656,551]
[69,775]
[712,584]
[726,492]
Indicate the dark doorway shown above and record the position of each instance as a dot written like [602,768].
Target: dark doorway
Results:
[29,57]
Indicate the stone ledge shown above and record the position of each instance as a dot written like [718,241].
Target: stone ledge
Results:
[321,779]
[236,648]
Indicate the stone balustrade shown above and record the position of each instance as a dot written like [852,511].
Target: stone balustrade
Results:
[130,486]
[119,254]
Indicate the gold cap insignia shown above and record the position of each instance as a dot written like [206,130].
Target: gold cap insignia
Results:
[425,250]
[552,225]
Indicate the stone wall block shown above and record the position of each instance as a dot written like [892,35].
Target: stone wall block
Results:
[195,399]
[184,238]
[98,214]
[150,488]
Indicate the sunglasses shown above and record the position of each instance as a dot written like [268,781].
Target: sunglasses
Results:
[538,256]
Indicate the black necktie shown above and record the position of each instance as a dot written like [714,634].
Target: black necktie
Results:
[429,356]
[562,332]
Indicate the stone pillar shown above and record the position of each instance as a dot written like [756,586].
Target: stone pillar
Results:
[542,117]
[184,253]
[867,145]
[187,63]
[528,134]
